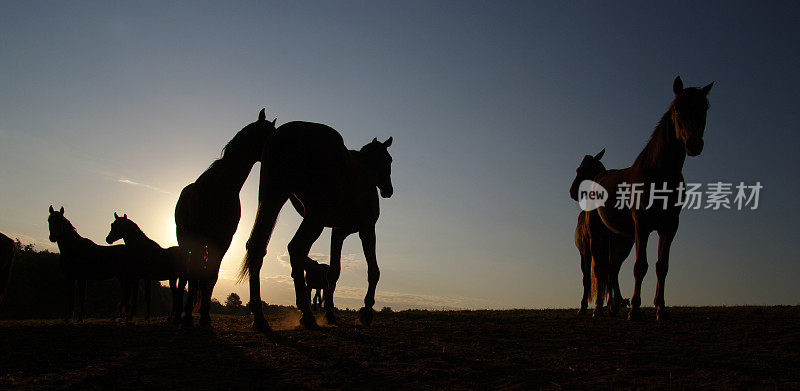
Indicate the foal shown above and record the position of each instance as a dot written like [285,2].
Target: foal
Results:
[316,278]
[154,263]
[589,231]
[81,259]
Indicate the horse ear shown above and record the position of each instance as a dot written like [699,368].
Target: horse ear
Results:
[61,211]
[125,216]
[115,215]
[262,116]
[600,155]
[274,121]
[51,209]
[388,143]
[707,88]
[375,140]
[677,85]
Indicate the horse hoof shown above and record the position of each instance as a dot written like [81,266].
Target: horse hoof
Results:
[599,313]
[261,326]
[330,318]
[187,322]
[635,315]
[365,316]
[308,322]
[662,314]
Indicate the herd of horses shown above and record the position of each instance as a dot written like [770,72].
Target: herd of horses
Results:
[331,186]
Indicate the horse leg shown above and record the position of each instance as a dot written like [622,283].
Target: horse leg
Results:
[178,300]
[132,300]
[367,237]
[639,271]
[665,238]
[81,300]
[338,236]
[299,246]
[189,308]
[173,288]
[314,300]
[147,288]
[600,272]
[256,247]
[70,285]
[206,289]
[586,268]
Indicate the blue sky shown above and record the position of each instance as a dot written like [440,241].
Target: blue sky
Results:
[116,107]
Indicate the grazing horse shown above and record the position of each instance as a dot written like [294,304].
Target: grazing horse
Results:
[154,263]
[6,260]
[329,186]
[655,176]
[591,228]
[316,278]
[81,259]
[209,209]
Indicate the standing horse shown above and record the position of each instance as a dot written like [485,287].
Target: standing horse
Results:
[154,263]
[329,186]
[6,260]
[81,259]
[209,209]
[590,228]
[658,170]
[316,279]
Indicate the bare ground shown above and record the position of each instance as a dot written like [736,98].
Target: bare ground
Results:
[709,348]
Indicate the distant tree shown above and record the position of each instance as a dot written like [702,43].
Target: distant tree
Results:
[233,301]
[386,310]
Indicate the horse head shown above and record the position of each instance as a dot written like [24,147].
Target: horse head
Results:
[689,115]
[58,224]
[248,144]
[378,164]
[120,228]
[590,167]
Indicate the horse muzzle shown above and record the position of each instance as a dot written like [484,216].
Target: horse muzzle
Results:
[694,146]
[386,192]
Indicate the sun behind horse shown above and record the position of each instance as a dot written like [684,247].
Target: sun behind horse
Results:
[329,186]
[657,168]
[208,212]
[591,231]
[153,262]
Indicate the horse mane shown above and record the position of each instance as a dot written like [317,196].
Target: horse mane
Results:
[657,141]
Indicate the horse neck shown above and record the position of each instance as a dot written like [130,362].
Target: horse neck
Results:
[663,152]
[136,237]
[360,172]
[229,171]
[70,241]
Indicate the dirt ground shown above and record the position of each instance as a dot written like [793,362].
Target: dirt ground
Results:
[734,347]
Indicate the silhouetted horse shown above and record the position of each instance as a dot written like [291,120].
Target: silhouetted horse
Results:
[81,259]
[658,167]
[316,278]
[153,262]
[329,186]
[590,228]
[209,209]
[6,261]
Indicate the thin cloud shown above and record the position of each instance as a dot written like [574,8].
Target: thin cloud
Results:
[134,183]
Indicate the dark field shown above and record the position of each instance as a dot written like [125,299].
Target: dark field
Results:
[736,347]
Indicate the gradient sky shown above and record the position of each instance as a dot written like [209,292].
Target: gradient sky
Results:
[110,107]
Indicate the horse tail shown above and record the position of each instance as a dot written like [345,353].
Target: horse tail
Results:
[254,257]
[599,280]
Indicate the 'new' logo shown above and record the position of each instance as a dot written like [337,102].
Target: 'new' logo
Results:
[591,195]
